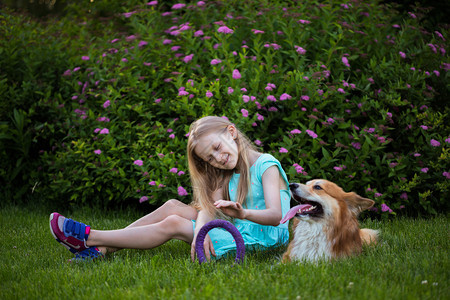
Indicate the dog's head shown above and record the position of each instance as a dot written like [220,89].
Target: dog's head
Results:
[320,199]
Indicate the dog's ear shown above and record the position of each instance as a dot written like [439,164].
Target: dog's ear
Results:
[357,204]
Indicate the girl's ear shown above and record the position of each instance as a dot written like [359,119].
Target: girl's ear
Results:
[233,131]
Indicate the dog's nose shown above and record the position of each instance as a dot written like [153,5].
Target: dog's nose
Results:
[293,186]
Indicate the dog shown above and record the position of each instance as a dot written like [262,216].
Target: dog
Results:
[325,225]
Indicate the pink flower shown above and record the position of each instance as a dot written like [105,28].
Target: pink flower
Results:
[138,162]
[200,3]
[230,90]
[209,94]
[304,21]
[283,150]
[300,50]
[256,31]
[285,97]
[385,208]
[404,196]
[152,183]
[98,151]
[142,43]
[259,117]
[356,145]
[245,98]
[311,133]
[104,131]
[85,58]
[345,62]
[188,58]
[424,170]
[295,131]
[338,169]
[198,33]
[225,29]
[106,103]
[299,169]
[152,3]
[271,98]
[447,140]
[402,54]
[258,142]
[173,170]
[128,14]
[215,61]
[172,136]
[236,74]
[183,93]
[167,42]
[244,113]
[434,143]
[304,98]
[446,174]
[178,6]
[182,191]
[180,173]
[143,199]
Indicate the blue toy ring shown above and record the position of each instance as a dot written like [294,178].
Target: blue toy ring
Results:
[240,246]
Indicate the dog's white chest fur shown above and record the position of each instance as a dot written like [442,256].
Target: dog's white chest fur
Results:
[310,242]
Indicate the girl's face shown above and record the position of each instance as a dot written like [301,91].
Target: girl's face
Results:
[219,149]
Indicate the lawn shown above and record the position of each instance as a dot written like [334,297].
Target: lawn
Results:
[411,262]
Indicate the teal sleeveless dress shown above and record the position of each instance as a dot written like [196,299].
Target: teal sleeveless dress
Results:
[256,236]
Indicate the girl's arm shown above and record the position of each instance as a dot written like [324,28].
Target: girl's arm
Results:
[269,216]
[202,218]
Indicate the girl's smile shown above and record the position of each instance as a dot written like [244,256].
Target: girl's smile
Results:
[219,150]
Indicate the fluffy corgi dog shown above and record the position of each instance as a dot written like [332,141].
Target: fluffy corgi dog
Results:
[325,224]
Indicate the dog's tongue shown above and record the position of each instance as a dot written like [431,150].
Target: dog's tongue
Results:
[293,211]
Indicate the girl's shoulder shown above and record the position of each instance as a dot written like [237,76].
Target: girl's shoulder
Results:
[265,158]
[265,161]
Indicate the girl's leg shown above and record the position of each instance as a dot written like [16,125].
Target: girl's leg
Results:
[170,208]
[146,236]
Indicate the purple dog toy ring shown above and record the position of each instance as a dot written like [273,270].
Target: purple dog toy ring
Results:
[240,247]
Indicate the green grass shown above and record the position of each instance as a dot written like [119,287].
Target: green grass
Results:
[34,266]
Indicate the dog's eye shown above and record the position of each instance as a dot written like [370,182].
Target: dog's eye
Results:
[317,187]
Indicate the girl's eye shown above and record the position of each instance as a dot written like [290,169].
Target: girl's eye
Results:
[218,147]
[317,187]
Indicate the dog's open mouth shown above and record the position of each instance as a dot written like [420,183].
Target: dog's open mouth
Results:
[305,208]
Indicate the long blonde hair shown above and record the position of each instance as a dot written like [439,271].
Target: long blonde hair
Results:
[205,178]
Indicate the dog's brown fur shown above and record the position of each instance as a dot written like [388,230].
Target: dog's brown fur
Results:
[336,233]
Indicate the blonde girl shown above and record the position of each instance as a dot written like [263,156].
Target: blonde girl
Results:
[230,180]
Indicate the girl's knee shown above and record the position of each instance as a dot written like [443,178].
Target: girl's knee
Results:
[173,221]
[173,203]
[176,226]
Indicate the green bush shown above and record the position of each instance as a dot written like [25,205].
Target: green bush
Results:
[336,91]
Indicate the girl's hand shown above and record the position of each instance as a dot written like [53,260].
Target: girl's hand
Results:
[207,247]
[231,209]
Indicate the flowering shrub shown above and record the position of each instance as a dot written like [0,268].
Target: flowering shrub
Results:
[346,91]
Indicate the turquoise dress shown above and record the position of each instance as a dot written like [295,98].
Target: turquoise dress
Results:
[255,236]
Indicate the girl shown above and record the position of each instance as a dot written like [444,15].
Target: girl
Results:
[230,180]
